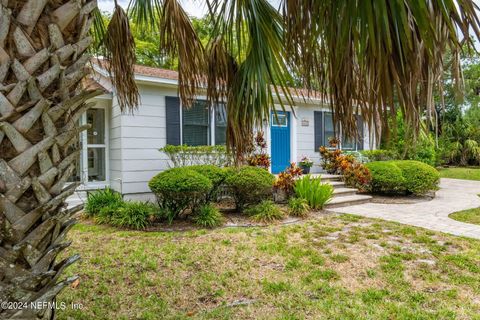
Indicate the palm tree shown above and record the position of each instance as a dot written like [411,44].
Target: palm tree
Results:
[363,53]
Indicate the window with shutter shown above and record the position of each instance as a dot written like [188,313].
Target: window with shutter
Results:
[196,124]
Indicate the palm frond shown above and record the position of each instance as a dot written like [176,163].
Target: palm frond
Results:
[120,55]
[378,55]
[178,38]
[252,33]
[145,13]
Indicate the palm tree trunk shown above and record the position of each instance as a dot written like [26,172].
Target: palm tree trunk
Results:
[42,63]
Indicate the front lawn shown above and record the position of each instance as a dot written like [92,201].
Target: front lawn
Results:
[334,267]
[468,216]
[460,173]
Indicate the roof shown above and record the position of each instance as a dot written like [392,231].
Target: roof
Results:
[161,73]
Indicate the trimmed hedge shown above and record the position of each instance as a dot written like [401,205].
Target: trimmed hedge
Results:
[215,174]
[419,177]
[250,185]
[179,189]
[386,177]
[403,176]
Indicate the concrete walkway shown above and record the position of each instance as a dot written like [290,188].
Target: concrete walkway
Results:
[454,195]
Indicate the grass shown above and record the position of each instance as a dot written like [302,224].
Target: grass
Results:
[328,268]
[460,173]
[469,216]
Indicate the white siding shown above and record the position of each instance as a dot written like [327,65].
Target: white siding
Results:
[303,137]
[115,161]
[135,140]
[142,134]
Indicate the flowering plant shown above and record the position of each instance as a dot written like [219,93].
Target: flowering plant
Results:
[305,162]
[355,174]
[286,179]
[258,156]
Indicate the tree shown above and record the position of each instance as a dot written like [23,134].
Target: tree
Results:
[381,49]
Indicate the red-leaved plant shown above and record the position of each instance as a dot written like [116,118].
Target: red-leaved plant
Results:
[257,152]
[286,179]
[355,174]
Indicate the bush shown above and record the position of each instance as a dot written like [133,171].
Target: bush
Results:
[128,214]
[215,174]
[314,191]
[133,214]
[100,199]
[250,185]
[298,207]
[184,155]
[179,189]
[403,176]
[380,154]
[105,214]
[265,211]
[386,177]
[419,177]
[208,217]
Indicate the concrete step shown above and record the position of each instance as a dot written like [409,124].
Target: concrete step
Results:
[343,191]
[327,176]
[336,184]
[337,202]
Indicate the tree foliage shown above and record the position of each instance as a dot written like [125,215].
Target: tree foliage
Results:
[382,52]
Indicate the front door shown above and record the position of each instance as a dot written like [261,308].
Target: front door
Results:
[280,133]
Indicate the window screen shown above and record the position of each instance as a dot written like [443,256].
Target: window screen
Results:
[220,124]
[196,124]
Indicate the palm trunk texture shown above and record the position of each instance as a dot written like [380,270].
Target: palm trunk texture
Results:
[42,64]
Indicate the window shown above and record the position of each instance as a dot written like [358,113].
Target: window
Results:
[279,120]
[200,123]
[329,131]
[324,131]
[196,124]
[220,124]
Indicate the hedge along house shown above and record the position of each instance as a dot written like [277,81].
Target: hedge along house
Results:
[122,150]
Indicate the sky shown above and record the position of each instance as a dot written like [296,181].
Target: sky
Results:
[194,8]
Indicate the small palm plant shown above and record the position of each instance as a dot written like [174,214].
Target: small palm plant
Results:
[314,191]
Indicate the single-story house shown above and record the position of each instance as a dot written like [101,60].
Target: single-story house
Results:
[121,150]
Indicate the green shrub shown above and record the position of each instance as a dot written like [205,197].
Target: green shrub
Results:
[208,217]
[386,177]
[216,175]
[298,207]
[265,211]
[133,214]
[179,189]
[128,214]
[105,215]
[314,191]
[402,176]
[250,185]
[184,155]
[380,154]
[419,177]
[102,198]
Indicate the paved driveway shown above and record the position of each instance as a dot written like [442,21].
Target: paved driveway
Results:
[454,195]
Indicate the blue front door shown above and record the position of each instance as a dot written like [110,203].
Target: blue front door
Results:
[280,132]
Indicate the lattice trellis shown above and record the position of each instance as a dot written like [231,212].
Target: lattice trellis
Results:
[42,63]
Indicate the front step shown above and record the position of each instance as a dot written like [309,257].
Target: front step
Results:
[343,192]
[351,200]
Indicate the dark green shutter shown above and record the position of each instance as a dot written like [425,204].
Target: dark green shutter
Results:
[318,129]
[172,105]
[360,132]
